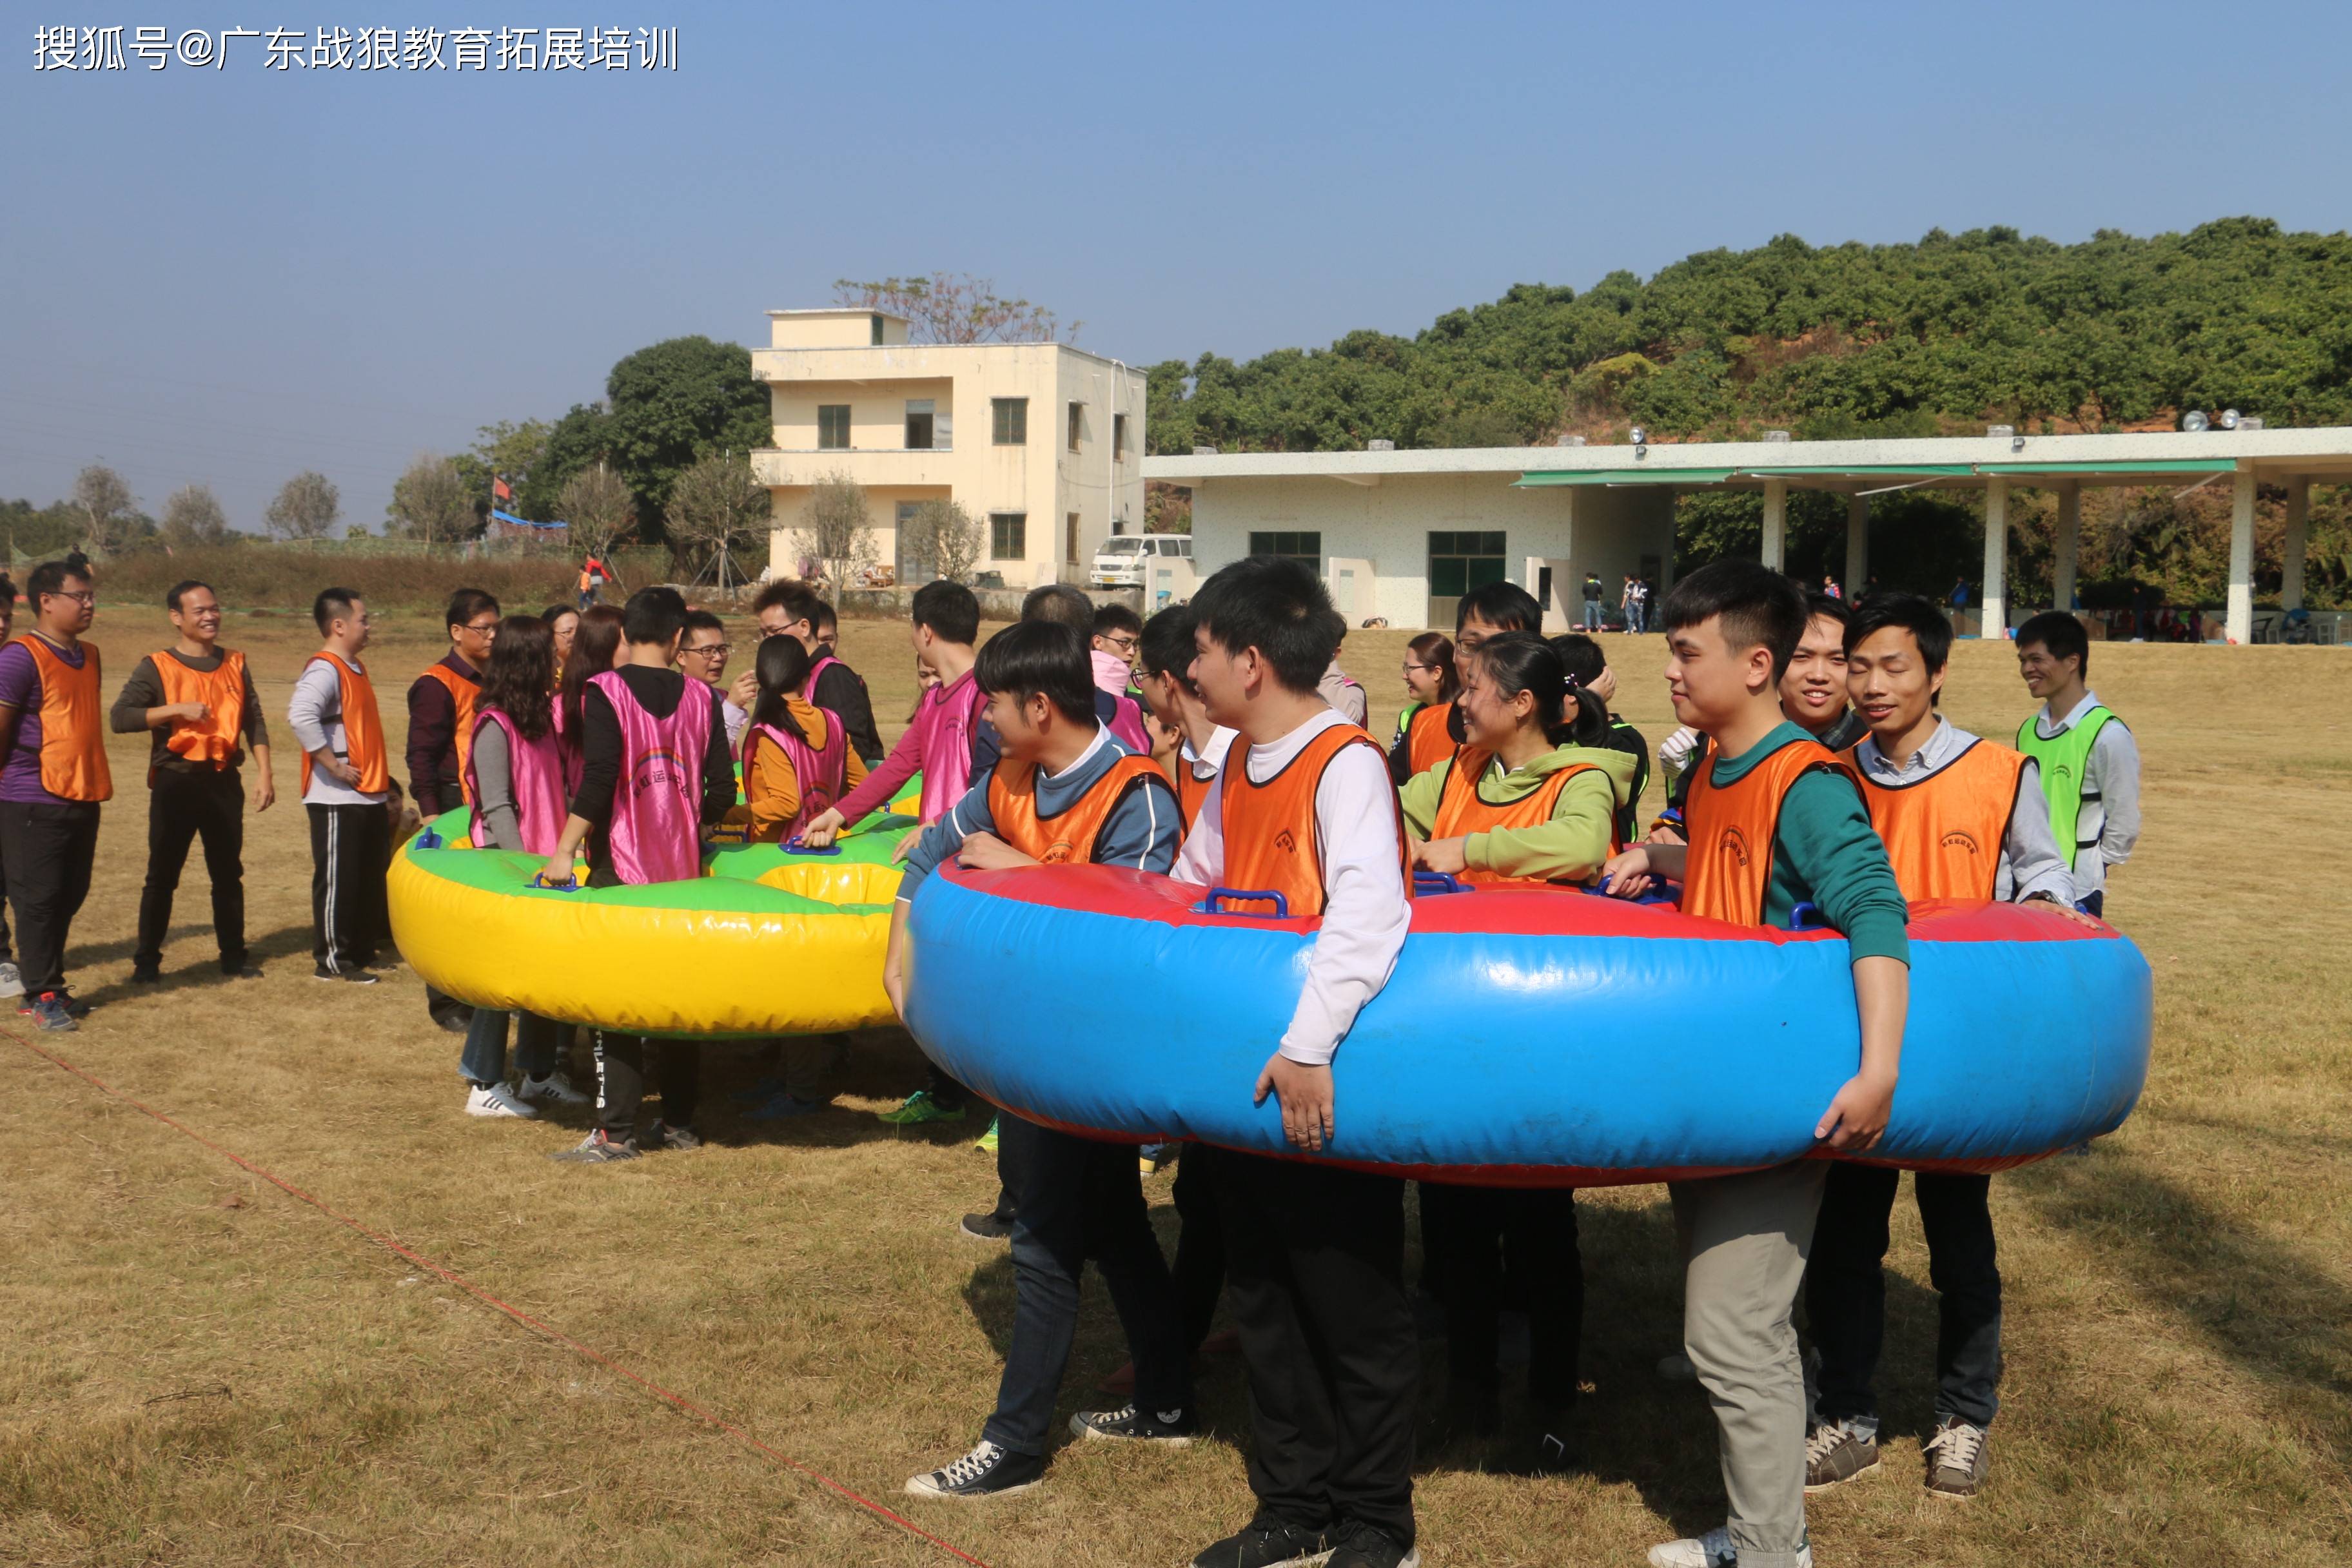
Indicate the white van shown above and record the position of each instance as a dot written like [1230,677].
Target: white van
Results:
[1125,558]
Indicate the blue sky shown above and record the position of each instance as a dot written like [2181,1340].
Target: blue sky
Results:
[230,275]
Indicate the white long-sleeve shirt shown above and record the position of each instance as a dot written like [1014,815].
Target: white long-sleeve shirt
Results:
[1365,909]
[2110,810]
[316,715]
[2029,861]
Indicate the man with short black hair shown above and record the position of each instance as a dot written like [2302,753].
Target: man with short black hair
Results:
[197,700]
[789,609]
[441,734]
[2088,761]
[702,656]
[347,791]
[1592,592]
[52,783]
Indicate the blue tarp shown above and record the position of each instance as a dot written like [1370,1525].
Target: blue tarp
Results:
[523,522]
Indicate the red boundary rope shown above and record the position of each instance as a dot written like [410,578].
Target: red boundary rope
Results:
[517,1313]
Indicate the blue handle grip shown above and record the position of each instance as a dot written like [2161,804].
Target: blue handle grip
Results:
[568,884]
[429,840]
[1805,917]
[794,846]
[1437,884]
[1208,906]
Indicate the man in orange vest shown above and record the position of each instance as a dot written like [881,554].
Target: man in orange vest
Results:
[197,700]
[1961,818]
[52,781]
[441,734]
[1774,819]
[347,792]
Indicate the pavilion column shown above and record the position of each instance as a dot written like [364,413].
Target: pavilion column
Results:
[1776,523]
[1857,546]
[2069,544]
[1996,558]
[2241,560]
[2298,534]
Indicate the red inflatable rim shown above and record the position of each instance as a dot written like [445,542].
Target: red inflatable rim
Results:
[1502,911]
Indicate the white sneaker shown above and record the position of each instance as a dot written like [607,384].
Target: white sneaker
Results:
[496,1102]
[12,984]
[554,1087]
[1713,1550]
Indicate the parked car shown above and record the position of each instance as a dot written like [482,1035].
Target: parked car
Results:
[1121,561]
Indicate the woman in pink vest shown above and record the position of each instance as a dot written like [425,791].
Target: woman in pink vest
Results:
[654,771]
[514,777]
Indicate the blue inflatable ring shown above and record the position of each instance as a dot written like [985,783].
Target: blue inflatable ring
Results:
[1527,1038]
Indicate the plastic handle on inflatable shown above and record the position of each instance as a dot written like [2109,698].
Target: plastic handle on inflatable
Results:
[1656,894]
[794,846]
[568,884]
[1434,884]
[1208,906]
[1805,917]
[429,840]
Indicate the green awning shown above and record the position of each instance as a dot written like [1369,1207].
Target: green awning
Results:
[1866,471]
[2092,470]
[1623,476]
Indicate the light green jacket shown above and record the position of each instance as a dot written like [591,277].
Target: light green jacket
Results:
[1570,847]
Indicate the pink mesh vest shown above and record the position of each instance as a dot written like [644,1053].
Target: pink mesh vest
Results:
[656,831]
[819,771]
[540,800]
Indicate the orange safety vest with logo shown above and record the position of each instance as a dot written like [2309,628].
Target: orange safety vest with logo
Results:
[73,746]
[1426,741]
[216,739]
[1067,837]
[1269,829]
[462,692]
[1943,832]
[363,727]
[1735,829]
[1462,810]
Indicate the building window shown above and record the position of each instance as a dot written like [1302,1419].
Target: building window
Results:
[1307,549]
[1012,418]
[877,339]
[1008,535]
[1077,422]
[1070,540]
[1461,562]
[833,427]
[910,565]
[921,423]
[1118,438]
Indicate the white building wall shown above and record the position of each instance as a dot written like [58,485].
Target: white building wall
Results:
[1388,525]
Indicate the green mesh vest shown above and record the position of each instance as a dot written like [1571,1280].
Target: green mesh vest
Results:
[2061,760]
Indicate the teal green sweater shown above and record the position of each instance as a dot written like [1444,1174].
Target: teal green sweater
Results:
[1827,854]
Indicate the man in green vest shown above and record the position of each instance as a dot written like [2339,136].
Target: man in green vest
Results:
[2088,761]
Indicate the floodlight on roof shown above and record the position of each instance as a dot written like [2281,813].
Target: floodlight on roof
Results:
[2194,420]
[2229,419]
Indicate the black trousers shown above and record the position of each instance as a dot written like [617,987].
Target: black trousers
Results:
[1845,1289]
[621,1082]
[1199,1273]
[1315,1277]
[350,846]
[48,850]
[181,808]
[1477,1229]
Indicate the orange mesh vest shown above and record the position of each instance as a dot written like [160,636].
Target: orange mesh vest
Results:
[1426,742]
[1734,828]
[1461,810]
[462,692]
[363,729]
[1269,829]
[73,743]
[1192,792]
[222,691]
[1943,833]
[1067,837]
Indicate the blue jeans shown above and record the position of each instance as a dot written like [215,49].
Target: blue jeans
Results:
[1592,615]
[1080,1199]
[484,1059]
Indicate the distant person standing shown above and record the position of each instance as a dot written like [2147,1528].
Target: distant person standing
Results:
[196,699]
[2088,762]
[592,581]
[1629,600]
[53,780]
[1829,588]
[441,734]
[12,982]
[1592,601]
[346,791]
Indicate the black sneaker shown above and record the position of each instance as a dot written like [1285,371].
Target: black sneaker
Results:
[987,1471]
[146,974]
[986,1228]
[242,969]
[1266,1542]
[349,976]
[1362,1545]
[1174,1427]
[662,1135]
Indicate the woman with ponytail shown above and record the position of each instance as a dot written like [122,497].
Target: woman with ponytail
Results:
[1532,795]
[797,760]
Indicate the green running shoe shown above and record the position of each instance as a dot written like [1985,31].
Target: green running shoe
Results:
[986,1141]
[918,1108]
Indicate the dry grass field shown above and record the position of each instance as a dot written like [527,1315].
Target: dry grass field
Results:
[195,1368]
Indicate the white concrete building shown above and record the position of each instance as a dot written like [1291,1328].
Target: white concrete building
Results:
[1401,534]
[1042,442]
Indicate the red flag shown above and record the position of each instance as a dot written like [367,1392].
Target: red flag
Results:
[499,489]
